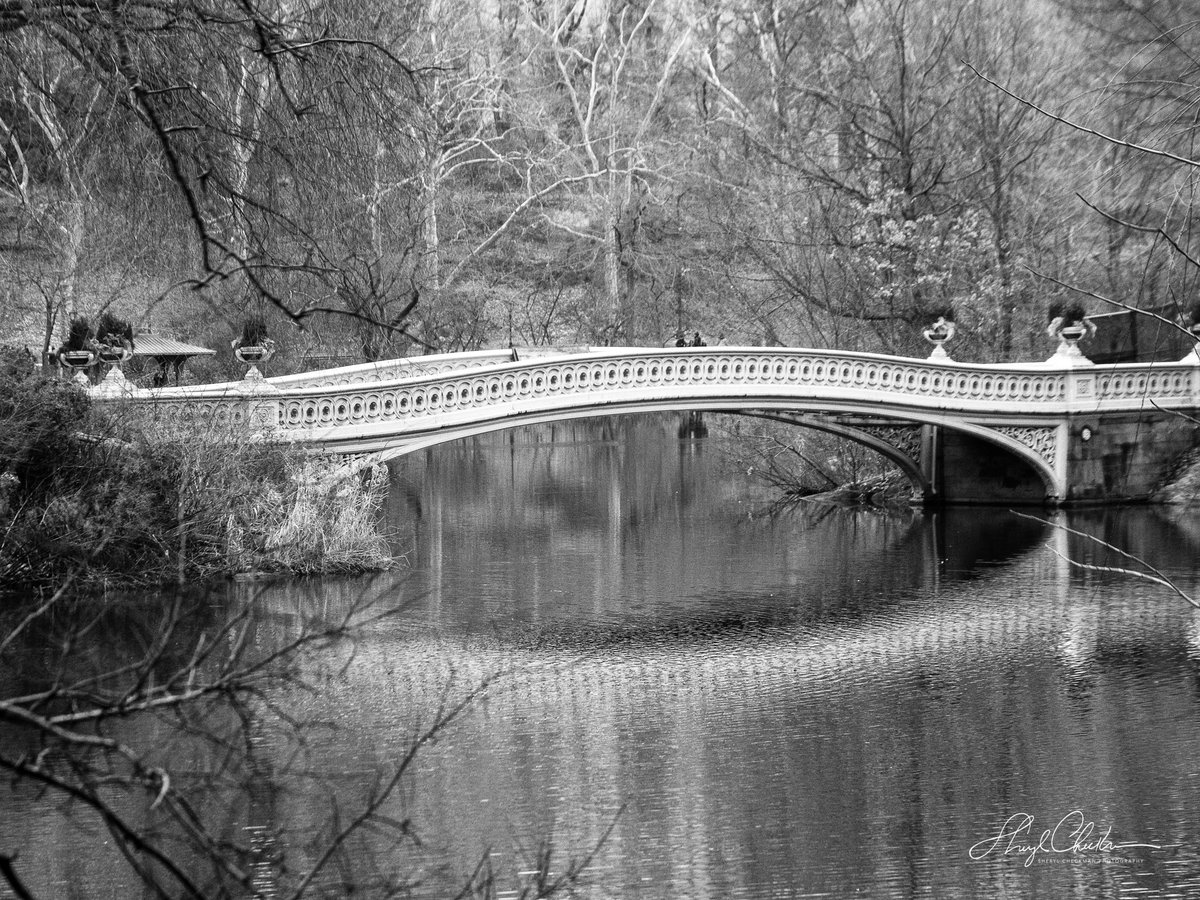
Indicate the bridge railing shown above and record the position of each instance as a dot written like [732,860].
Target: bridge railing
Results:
[390,370]
[419,366]
[313,408]
[383,370]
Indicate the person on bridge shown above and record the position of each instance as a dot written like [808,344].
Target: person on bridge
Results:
[696,341]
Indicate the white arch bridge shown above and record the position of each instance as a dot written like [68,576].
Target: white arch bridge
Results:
[1065,431]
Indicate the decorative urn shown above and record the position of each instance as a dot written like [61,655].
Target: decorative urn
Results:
[938,334]
[1069,326]
[80,361]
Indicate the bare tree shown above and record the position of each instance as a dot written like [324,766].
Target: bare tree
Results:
[611,72]
[1017,158]
[877,187]
[1143,66]
[239,100]
[48,128]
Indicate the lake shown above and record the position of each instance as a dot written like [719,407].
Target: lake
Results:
[707,695]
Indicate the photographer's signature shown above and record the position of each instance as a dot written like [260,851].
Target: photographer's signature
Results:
[1074,835]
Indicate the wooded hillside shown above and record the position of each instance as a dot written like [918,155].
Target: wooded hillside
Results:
[450,174]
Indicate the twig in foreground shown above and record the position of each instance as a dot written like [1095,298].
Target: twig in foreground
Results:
[1153,575]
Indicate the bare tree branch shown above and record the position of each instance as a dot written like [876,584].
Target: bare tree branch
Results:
[1152,575]
[1109,300]
[1118,142]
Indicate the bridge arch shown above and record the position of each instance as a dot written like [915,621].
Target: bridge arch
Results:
[914,462]
[920,457]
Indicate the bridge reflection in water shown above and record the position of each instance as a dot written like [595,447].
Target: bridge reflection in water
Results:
[824,701]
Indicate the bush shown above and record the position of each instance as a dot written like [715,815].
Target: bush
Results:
[105,499]
[1070,313]
[38,419]
[254,331]
[112,330]
[79,335]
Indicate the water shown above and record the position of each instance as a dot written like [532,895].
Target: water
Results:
[727,702]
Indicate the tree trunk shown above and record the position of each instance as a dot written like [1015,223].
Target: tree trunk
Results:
[431,275]
[612,253]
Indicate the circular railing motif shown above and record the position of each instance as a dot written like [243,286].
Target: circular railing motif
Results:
[1132,385]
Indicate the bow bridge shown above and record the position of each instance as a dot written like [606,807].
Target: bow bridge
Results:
[1060,432]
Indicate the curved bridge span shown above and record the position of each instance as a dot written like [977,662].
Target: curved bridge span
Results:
[961,432]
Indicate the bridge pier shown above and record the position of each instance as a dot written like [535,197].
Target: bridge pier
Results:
[1124,457]
[1110,458]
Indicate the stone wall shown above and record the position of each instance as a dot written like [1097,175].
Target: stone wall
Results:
[1128,457]
[1111,459]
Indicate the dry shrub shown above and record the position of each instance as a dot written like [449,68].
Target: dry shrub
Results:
[326,519]
[110,497]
